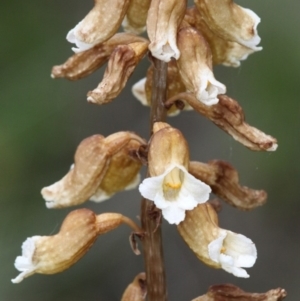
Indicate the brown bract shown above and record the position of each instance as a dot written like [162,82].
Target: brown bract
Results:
[230,292]
[229,116]
[164,18]
[224,52]
[136,16]
[224,182]
[230,21]
[102,22]
[121,64]
[137,290]
[167,146]
[92,161]
[84,63]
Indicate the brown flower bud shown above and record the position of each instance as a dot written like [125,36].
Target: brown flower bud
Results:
[216,247]
[92,162]
[230,21]
[142,90]
[136,291]
[224,52]
[100,24]
[224,182]
[230,292]
[195,66]
[121,64]
[229,116]
[84,63]
[164,18]
[136,16]
[54,254]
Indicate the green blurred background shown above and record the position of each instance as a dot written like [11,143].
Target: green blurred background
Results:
[43,120]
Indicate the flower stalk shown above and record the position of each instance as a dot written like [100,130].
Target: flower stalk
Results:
[150,215]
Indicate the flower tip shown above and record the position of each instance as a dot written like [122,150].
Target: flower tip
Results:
[273,148]
[91,99]
[138,91]
[164,52]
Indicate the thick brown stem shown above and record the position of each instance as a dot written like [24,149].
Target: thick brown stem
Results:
[152,241]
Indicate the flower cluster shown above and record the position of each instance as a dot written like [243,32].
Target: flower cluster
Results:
[190,41]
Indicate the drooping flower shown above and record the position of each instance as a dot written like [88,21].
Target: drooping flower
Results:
[170,186]
[216,247]
[56,253]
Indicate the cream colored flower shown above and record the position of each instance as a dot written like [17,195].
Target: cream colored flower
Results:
[174,192]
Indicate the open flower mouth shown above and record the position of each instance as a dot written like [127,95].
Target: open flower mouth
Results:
[172,184]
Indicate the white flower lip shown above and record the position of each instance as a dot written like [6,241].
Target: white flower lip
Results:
[191,193]
[73,38]
[24,263]
[233,252]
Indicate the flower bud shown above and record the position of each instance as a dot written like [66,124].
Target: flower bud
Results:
[230,21]
[164,18]
[224,182]
[216,247]
[170,185]
[137,290]
[230,292]
[121,64]
[92,162]
[224,52]
[195,66]
[54,254]
[229,116]
[100,24]
[84,63]
[136,16]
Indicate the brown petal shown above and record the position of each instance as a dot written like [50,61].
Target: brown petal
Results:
[230,21]
[84,63]
[92,159]
[137,290]
[102,22]
[199,229]
[136,16]
[223,51]
[164,18]
[229,116]
[230,292]
[224,182]
[121,64]
[167,146]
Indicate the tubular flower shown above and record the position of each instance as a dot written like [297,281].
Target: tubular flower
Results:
[231,21]
[217,247]
[100,24]
[164,18]
[195,66]
[170,186]
[54,254]
[223,51]
[94,169]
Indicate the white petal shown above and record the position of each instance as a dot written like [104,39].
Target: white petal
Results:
[214,248]
[24,262]
[138,90]
[173,214]
[151,186]
[100,196]
[238,272]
